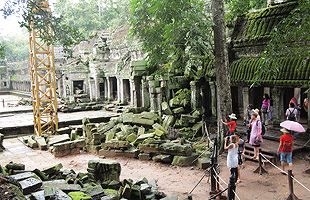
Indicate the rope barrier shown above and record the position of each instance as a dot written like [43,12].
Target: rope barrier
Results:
[285,173]
[225,183]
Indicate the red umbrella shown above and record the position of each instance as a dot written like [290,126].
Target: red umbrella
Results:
[293,126]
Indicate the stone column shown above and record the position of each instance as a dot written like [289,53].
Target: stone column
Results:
[297,92]
[195,96]
[105,81]
[245,100]
[153,96]
[267,90]
[110,90]
[120,92]
[132,93]
[278,105]
[213,98]
[145,94]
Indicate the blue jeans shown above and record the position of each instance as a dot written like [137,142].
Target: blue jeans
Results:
[286,157]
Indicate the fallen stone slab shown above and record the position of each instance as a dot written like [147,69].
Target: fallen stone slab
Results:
[15,166]
[145,188]
[176,149]
[116,144]
[32,143]
[58,139]
[105,170]
[64,130]
[203,163]
[167,159]
[40,174]
[95,191]
[144,156]
[119,153]
[53,182]
[79,196]
[30,185]
[149,148]
[55,194]
[165,108]
[184,161]
[143,137]
[178,110]
[39,195]
[63,186]
[53,170]
[23,176]
[41,143]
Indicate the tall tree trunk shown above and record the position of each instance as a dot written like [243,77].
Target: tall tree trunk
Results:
[224,103]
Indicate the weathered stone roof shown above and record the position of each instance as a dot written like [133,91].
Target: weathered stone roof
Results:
[291,71]
[251,34]
[255,28]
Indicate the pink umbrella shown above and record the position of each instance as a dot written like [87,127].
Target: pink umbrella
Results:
[293,126]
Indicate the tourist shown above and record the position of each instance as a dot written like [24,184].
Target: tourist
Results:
[258,112]
[247,116]
[256,134]
[232,124]
[241,154]
[291,113]
[265,109]
[247,120]
[285,149]
[232,156]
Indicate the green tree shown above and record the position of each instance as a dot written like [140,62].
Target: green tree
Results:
[15,48]
[224,101]
[176,34]
[88,16]
[235,8]
[51,29]
[1,50]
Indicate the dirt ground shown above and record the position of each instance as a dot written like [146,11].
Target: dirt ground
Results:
[176,181]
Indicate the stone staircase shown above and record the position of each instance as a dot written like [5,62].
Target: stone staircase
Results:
[249,153]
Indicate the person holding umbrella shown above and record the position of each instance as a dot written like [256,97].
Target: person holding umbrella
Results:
[286,141]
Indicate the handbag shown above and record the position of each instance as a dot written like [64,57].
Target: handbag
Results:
[257,141]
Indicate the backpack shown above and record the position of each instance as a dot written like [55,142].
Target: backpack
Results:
[287,146]
[263,127]
[291,116]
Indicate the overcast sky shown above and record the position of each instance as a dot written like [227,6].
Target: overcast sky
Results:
[10,26]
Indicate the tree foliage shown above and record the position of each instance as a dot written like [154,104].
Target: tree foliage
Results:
[176,34]
[52,29]
[15,48]
[88,16]
[1,50]
[235,8]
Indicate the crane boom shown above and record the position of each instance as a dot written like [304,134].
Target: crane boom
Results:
[43,81]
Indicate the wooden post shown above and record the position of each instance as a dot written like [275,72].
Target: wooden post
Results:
[292,196]
[231,188]
[260,168]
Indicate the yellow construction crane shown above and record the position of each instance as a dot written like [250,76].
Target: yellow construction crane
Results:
[43,81]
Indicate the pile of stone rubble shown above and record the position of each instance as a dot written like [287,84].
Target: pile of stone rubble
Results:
[171,137]
[68,142]
[168,137]
[101,182]
[80,106]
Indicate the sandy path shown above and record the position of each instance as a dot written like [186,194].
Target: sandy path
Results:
[171,180]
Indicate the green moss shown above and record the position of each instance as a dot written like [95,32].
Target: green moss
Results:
[79,196]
